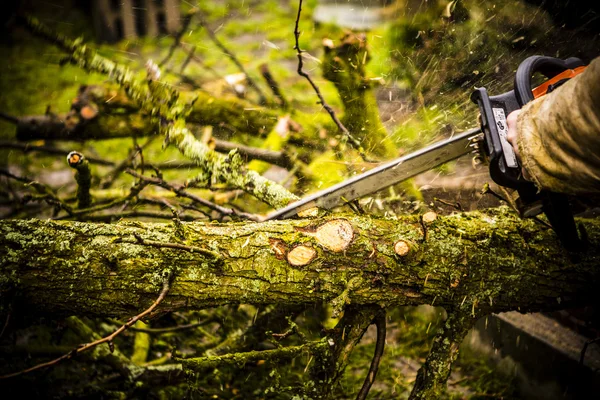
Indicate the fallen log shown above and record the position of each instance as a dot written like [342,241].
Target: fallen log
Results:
[481,262]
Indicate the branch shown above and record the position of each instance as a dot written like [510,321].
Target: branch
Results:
[83,177]
[353,141]
[264,71]
[45,192]
[108,339]
[270,320]
[27,148]
[133,192]
[201,364]
[328,370]
[251,153]
[433,375]
[9,118]
[110,177]
[180,191]
[177,39]
[379,347]
[161,102]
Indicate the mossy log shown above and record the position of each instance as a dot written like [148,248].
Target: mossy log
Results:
[105,112]
[481,262]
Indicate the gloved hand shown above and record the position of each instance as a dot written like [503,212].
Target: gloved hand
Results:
[511,135]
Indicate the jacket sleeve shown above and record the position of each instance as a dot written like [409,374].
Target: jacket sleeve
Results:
[559,135]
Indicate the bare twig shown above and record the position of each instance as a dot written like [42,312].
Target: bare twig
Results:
[232,57]
[107,339]
[449,203]
[177,246]
[46,193]
[190,50]
[379,347]
[136,151]
[264,71]
[180,191]
[177,39]
[353,141]
[7,320]
[294,329]
[167,329]
[190,56]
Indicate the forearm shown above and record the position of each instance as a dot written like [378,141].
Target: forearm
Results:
[559,136]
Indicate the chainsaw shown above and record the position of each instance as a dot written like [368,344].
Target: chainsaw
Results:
[488,141]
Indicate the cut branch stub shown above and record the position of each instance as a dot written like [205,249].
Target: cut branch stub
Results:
[401,247]
[301,255]
[429,217]
[335,235]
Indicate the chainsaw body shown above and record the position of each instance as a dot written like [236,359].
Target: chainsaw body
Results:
[504,166]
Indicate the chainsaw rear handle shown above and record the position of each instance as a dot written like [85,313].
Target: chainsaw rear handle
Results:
[504,167]
[547,66]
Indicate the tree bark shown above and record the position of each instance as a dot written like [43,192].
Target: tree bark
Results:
[477,262]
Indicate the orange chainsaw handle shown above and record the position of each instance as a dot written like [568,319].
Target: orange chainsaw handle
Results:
[541,90]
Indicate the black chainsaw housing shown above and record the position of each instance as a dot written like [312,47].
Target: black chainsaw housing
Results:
[504,167]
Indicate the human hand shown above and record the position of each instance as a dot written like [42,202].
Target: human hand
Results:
[511,136]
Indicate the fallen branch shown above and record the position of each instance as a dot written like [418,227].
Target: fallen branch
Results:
[379,347]
[180,191]
[161,102]
[107,339]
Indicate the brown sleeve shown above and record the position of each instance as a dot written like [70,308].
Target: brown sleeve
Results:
[559,135]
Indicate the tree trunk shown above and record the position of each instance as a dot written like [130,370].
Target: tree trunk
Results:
[478,262]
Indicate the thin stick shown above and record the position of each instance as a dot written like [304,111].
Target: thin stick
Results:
[264,71]
[187,60]
[47,194]
[114,174]
[7,320]
[135,214]
[184,26]
[167,329]
[183,193]
[449,203]
[190,50]
[380,323]
[232,57]
[177,246]
[355,143]
[107,339]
